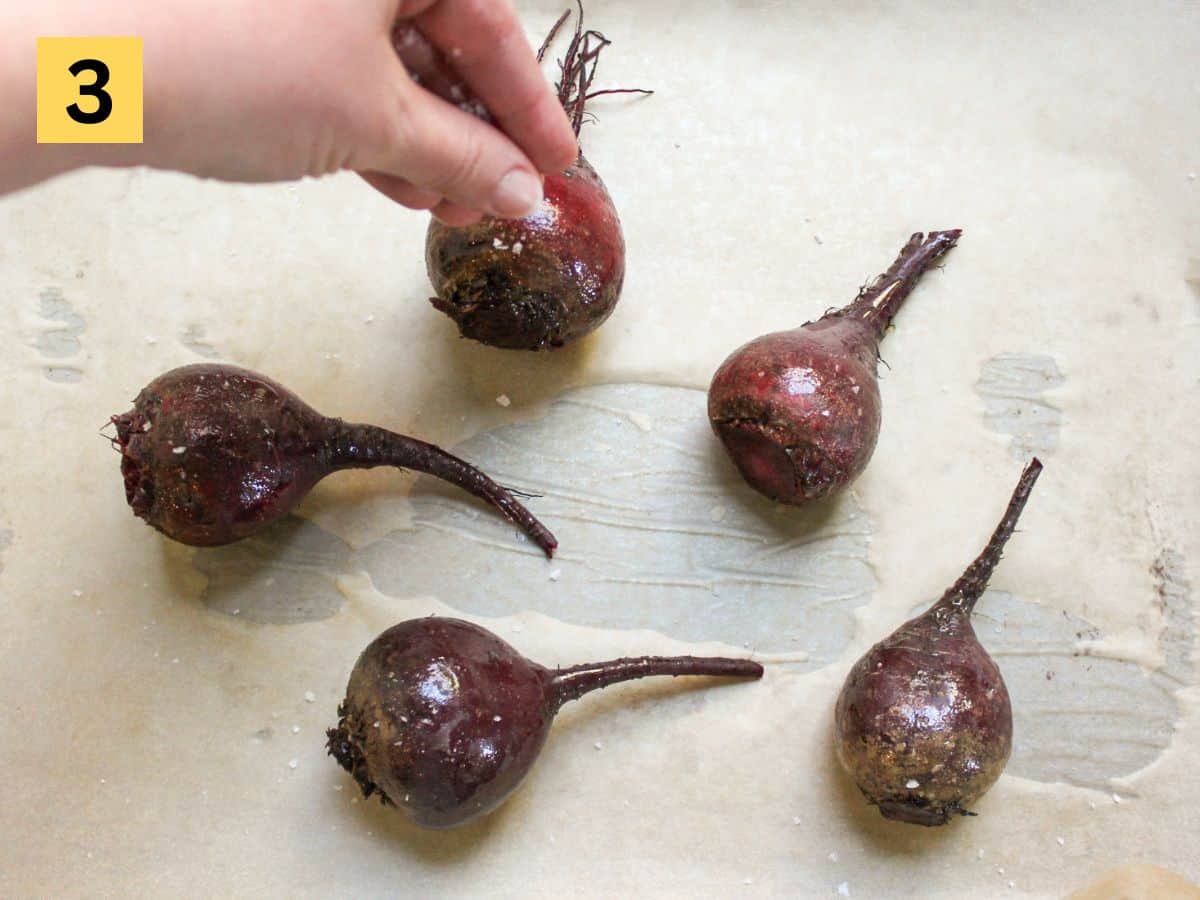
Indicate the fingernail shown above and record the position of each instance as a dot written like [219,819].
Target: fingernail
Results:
[518,194]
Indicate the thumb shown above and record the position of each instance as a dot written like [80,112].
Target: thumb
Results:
[439,148]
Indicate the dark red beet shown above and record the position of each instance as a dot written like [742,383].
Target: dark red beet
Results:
[443,719]
[924,722]
[213,453]
[798,411]
[554,276]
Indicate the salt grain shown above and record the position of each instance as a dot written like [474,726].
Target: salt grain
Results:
[598,745]
[833,857]
[912,784]
[292,763]
[844,889]
[556,574]
[503,400]
[1116,799]
[295,729]
[179,451]
[310,697]
[77,593]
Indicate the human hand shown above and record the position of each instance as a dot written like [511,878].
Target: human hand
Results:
[252,90]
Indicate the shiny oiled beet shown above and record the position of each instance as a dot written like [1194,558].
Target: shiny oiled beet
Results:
[545,280]
[924,721]
[214,453]
[443,719]
[798,411]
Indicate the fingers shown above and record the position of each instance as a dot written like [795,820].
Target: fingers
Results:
[455,215]
[406,194]
[486,45]
[403,192]
[442,150]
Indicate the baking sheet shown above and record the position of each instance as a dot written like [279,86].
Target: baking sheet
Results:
[163,709]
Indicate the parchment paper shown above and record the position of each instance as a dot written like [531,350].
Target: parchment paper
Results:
[162,710]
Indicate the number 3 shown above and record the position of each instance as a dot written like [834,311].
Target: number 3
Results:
[95,89]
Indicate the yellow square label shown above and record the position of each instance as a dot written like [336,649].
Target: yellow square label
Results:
[89,90]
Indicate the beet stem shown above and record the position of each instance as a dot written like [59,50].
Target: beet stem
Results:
[965,593]
[353,446]
[562,20]
[878,303]
[573,683]
[577,68]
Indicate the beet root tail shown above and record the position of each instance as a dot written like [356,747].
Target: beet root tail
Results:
[573,683]
[367,446]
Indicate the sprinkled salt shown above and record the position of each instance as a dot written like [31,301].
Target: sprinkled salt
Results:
[179,451]
[718,513]
[833,857]
[310,697]
[912,783]
[1116,799]
[556,574]
[76,593]
[844,889]
[295,729]
[795,820]
[503,400]
[495,718]
[292,763]
[598,745]
[1062,842]
[517,247]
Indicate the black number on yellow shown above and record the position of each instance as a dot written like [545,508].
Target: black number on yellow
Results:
[95,89]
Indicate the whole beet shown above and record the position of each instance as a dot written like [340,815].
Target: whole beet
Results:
[545,280]
[798,411]
[443,719]
[924,721]
[214,453]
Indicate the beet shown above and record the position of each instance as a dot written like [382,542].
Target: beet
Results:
[924,721]
[798,411]
[554,276]
[443,719]
[214,453]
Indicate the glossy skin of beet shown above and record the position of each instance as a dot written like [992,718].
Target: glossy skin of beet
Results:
[213,453]
[543,281]
[443,719]
[538,282]
[924,720]
[799,411]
